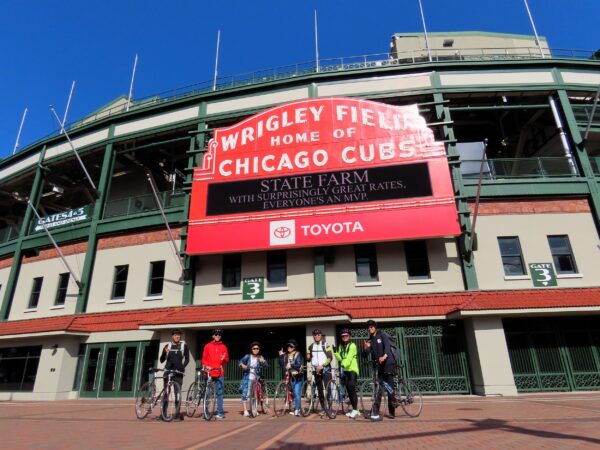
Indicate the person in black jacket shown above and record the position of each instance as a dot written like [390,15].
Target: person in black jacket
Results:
[177,355]
[379,348]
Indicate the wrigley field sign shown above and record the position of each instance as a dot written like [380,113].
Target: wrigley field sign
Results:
[321,172]
[61,219]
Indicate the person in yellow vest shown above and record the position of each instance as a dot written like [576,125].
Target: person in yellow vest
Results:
[347,355]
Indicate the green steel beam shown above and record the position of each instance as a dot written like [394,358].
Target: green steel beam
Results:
[319,274]
[15,269]
[90,254]
[529,187]
[466,257]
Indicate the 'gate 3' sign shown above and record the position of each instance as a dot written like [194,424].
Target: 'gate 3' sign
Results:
[321,172]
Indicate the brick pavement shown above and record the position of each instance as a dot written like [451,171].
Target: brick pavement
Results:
[548,421]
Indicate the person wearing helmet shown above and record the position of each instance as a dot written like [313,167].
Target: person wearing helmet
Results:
[177,355]
[214,357]
[319,354]
[347,355]
[251,365]
[292,361]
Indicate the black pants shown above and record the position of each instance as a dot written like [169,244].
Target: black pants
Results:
[179,380]
[384,376]
[322,379]
[350,383]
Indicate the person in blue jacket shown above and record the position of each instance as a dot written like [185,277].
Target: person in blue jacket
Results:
[251,365]
[292,361]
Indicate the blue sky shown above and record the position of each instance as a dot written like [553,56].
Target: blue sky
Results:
[44,44]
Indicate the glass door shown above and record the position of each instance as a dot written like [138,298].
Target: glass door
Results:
[91,371]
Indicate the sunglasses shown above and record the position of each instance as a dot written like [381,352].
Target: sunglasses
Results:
[255,348]
[317,334]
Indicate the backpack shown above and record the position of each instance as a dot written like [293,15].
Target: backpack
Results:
[395,350]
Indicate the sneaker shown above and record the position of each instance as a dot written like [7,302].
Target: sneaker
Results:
[297,413]
[376,418]
[391,416]
[246,414]
[354,414]
[293,413]
[350,414]
[220,416]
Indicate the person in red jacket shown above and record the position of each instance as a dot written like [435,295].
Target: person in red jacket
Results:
[214,357]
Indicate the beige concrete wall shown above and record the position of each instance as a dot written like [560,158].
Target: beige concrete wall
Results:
[4,274]
[136,295]
[300,278]
[532,230]
[488,356]
[444,264]
[49,269]
[191,341]
[256,101]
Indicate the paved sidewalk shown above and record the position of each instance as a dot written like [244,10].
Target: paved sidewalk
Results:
[549,421]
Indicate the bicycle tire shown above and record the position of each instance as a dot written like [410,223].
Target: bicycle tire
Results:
[368,393]
[143,400]
[265,405]
[252,399]
[307,397]
[193,399]
[171,401]
[332,399]
[281,400]
[210,400]
[411,399]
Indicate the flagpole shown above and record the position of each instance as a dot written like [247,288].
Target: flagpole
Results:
[19,133]
[425,30]
[537,39]
[316,41]
[64,121]
[217,60]
[131,84]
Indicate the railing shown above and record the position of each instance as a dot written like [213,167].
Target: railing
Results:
[503,168]
[583,113]
[595,161]
[142,203]
[327,65]
[9,233]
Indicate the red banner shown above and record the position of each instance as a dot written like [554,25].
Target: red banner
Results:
[321,172]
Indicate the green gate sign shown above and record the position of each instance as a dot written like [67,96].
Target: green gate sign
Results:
[61,219]
[253,288]
[542,274]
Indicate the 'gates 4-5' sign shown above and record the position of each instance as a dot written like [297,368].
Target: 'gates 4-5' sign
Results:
[320,172]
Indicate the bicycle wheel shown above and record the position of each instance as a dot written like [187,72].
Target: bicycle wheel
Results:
[253,399]
[307,398]
[192,400]
[265,405]
[171,401]
[332,399]
[282,399]
[210,400]
[143,400]
[410,398]
[367,397]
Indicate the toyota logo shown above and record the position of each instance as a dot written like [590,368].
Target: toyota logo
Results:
[282,232]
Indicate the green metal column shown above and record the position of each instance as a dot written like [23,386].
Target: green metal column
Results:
[90,254]
[466,258]
[319,274]
[580,154]
[15,269]
[196,153]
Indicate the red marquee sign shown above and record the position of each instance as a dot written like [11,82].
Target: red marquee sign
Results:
[321,172]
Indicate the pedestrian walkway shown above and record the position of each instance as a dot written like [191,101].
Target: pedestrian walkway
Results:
[570,420]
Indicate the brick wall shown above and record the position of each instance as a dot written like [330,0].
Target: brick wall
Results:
[130,239]
[50,252]
[6,262]
[574,205]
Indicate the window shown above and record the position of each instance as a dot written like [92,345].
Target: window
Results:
[512,259]
[366,263]
[231,277]
[157,278]
[120,283]
[35,292]
[564,262]
[18,367]
[61,291]
[417,261]
[276,268]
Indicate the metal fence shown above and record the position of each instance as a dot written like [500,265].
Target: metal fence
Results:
[9,233]
[142,203]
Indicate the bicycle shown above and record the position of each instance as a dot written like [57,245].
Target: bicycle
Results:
[210,394]
[170,394]
[310,396]
[195,394]
[406,393]
[259,395]
[284,395]
[336,394]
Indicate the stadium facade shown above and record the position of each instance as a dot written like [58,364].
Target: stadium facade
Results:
[451,195]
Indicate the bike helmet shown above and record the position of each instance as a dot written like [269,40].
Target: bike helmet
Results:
[345,332]
[176,331]
[255,344]
[217,332]
[372,323]
[292,343]
[317,331]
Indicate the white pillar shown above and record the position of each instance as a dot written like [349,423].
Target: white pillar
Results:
[56,369]
[488,355]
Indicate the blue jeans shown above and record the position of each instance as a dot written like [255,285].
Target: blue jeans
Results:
[297,392]
[219,383]
[245,389]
